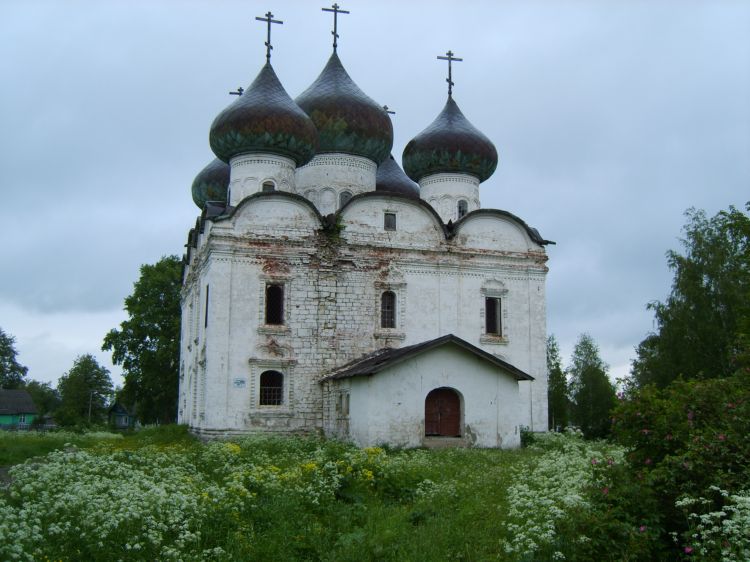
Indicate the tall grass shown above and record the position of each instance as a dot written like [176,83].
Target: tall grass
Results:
[162,495]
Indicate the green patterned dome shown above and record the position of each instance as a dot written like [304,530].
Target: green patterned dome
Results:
[211,183]
[347,119]
[264,119]
[450,144]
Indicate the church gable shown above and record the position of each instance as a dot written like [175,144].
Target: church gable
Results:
[390,221]
[491,229]
[273,213]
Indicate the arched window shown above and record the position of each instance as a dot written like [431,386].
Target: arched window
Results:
[463,208]
[344,198]
[274,304]
[268,185]
[388,310]
[271,388]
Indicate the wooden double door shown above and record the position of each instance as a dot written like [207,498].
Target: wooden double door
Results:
[442,413]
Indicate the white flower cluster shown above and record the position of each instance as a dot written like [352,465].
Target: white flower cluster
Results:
[176,502]
[122,502]
[719,535]
[549,488]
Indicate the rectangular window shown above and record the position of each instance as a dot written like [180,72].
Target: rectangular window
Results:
[492,316]
[389,221]
[275,304]
[205,318]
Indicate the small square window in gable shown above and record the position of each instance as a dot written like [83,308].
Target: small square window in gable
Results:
[389,221]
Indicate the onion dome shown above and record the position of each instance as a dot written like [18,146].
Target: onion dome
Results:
[211,183]
[391,178]
[450,144]
[347,119]
[264,119]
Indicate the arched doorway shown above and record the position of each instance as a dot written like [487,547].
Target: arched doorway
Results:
[442,413]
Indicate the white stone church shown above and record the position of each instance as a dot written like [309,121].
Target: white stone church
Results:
[327,290]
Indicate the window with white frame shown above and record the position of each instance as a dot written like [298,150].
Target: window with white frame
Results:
[494,294]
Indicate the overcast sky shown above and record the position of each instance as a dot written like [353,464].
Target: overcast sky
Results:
[610,118]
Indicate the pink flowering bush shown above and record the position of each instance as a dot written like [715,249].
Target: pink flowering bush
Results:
[686,440]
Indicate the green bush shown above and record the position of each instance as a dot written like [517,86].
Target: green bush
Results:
[687,439]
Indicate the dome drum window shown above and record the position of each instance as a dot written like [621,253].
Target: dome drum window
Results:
[344,198]
[268,186]
[462,208]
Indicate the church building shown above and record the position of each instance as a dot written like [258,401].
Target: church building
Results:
[328,290]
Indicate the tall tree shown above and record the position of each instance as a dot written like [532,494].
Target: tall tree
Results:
[46,398]
[12,373]
[84,392]
[701,329]
[558,402]
[147,344]
[592,393]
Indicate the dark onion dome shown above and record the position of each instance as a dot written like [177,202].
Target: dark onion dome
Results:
[391,178]
[264,119]
[347,119]
[211,183]
[450,144]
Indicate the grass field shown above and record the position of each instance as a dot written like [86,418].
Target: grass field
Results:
[161,495]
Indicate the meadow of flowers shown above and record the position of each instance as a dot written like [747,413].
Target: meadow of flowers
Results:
[161,495]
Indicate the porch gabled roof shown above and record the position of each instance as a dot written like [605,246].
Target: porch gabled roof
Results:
[376,361]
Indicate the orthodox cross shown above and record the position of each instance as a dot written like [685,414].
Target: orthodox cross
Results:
[450,58]
[238,92]
[385,107]
[269,20]
[336,12]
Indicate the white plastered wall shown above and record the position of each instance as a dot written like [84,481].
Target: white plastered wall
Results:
[444,191]
[326,176]
[389,406]
[248,173]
